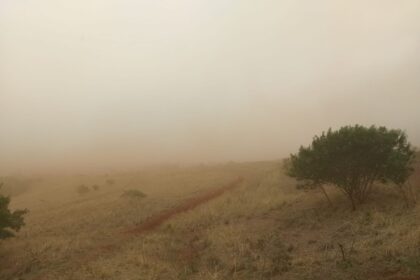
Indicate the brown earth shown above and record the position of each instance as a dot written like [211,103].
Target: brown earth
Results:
[158,219]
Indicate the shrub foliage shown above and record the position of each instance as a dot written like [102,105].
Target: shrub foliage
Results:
[10,221]
[133,194]
[353,158]
[82,189]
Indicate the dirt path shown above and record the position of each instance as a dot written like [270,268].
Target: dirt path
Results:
[148,225]
[158,219]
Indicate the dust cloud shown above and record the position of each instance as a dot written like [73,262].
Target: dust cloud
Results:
[112,85]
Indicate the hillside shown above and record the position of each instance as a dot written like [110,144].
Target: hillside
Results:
[261,229]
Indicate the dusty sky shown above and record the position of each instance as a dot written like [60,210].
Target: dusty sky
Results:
[114,84]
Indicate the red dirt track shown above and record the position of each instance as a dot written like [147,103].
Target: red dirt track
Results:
[155,221]
[151,223]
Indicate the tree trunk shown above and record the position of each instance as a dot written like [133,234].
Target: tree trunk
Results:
[353,203]
[326,195]
[351,195]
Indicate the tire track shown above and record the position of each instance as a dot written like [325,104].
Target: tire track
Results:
[156,220]
[147,226]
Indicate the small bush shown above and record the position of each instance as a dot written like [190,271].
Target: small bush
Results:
[95,187]
[10,222]
[82,189]
[133,194]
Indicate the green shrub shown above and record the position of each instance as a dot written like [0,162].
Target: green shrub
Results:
[353,158]
[133,194]
[82,189]
[10,222]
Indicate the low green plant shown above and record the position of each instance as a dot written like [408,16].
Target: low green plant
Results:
[83,189]
[10,221]
[133,194]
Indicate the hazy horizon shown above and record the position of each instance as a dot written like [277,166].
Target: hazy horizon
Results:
[106,85]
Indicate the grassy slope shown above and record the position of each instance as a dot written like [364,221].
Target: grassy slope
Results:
[264,229]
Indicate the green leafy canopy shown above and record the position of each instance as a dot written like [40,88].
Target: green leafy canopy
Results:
[353,158]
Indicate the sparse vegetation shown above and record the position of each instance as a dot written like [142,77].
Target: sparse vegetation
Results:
[353,159]
[82,189]
[133,194]
[95,187]
[10,221]
[255,231]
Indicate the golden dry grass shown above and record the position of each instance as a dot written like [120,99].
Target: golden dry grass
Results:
[264,229]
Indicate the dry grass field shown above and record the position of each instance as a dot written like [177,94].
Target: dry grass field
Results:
[262,228]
